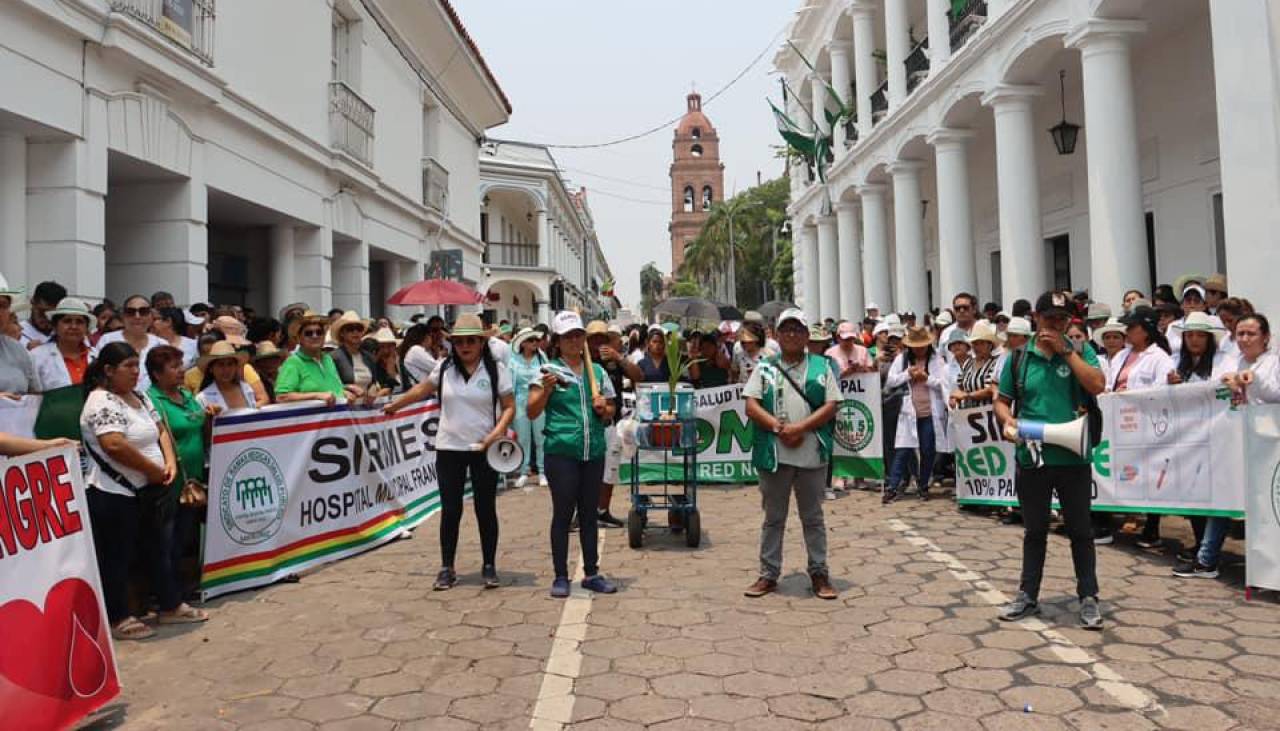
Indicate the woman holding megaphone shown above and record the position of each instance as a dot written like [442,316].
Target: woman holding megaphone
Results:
[477,404]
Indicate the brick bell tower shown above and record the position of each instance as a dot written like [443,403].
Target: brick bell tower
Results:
[697,178]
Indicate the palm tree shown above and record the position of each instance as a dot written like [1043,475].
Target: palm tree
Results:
[650,289]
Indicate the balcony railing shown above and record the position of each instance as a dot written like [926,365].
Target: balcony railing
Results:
[851,131]
[435,186]
[966,17]
[188,23]
[350,122]
[880,103]
[507,254]
[917,64]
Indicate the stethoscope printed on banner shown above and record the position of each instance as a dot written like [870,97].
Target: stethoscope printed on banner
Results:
[1159,421]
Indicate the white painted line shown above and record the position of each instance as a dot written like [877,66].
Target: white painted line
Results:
[554,709]
[1111,682]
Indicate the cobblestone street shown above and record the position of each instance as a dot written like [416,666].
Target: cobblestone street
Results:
[912,643]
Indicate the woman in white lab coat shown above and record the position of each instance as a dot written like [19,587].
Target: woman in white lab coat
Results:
[923,422]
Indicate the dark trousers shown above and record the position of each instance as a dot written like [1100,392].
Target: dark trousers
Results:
[115,534]
[575,487]
[1074,486]
[157,533]
[452,469]
[904,458]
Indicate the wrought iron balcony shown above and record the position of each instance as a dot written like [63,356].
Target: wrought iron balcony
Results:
[851,131]
[917,64]
[880,103]
[350,122]
[966,17]
[188,23]
[507,254]
[435,186]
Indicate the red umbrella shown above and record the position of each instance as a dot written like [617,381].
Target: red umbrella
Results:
[436,292]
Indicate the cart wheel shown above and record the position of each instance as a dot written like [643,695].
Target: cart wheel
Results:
[635,528]
[692,529]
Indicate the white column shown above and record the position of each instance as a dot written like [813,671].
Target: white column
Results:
[543,241]
[875,247]
[996,8]
[281,251]
[908,226]
[939,34]
[818,106]
[351,276]
[840,51]
[897,45]
[812,287]
[957,269]
[850,261]
[13,210]
[1024,272]
[156,233]
[828,268]
[1117,227]
[864,70]
[1245,63]
[313,267]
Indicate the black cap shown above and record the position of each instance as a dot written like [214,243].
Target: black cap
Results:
[1052,303]
[1145,316]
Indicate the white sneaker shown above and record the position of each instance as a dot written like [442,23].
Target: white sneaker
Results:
[523,481]
[831,494]
[542,481]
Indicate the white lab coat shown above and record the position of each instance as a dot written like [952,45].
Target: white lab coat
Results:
[939,390]
[51,370]
[1151,369]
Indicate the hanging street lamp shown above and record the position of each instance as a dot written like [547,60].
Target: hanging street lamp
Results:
[1064,133]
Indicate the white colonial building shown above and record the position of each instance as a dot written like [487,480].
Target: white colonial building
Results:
[255,152]
[541,248]
[950,179]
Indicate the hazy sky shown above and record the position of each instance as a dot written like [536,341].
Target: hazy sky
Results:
[589,71]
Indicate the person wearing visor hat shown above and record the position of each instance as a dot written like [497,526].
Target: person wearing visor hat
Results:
[1050,380]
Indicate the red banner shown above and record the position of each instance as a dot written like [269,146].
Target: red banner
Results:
[56,660]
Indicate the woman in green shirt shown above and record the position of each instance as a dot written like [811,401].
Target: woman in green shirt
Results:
[310,373]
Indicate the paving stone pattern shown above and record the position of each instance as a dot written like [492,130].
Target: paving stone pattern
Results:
[366,644]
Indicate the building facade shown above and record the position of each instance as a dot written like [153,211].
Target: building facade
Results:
[697,178]
[960,171]
[542,252]
[172,145]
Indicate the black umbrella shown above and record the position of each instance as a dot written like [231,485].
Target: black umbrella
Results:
[729,312]
[770,310]
[689,312]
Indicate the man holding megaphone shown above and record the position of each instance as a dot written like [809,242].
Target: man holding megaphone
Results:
[1045,386]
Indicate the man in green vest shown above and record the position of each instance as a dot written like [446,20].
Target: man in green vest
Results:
[792,400]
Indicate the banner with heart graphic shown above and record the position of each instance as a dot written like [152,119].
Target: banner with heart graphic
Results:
[56,659]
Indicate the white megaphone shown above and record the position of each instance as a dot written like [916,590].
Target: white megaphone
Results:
[505,456]
[1073,435]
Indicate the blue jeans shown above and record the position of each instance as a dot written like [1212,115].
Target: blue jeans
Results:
[1215,533]
[529,434]
[904,458]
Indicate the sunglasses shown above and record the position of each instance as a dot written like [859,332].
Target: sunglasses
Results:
[963,308]
[793,331]
[137,311]
[312,333]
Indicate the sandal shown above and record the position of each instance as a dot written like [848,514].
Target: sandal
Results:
[184,614]
[130,628]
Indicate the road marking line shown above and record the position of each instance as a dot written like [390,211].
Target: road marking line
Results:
[1111,682]
[554,709]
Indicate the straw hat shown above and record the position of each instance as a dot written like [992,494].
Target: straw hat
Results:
[1200,322]
[1018,326]
[1113,325]
[983,330]
[524,334]
[72,307]
[7,291]
[819,334]
[348,319]
[467,326]
[943,319]
[219,351]
[383,336]
[597,327]
[307,318]
[918,337]
[267,350]
[232,328]
[1215,282]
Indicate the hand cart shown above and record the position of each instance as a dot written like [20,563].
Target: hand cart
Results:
[677,439]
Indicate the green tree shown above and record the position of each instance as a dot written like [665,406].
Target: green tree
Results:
[757,214]
[650,289]
[687,288]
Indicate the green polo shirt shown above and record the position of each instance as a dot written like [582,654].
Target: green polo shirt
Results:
[1050,393]
[302,374]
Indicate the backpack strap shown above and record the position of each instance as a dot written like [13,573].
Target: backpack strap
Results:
[1019,379]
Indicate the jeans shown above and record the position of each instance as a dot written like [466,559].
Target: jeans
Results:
[904,457]
[1074,485]
[575,487]
[115,534]
[775,499]
[1215,533]
[529,435]
[452,468]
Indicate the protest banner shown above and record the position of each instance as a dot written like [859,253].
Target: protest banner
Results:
[297,486]
[725,437]
[1169,449]
[56,660]
[1262,539]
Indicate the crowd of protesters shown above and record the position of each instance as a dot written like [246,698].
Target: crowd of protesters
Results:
[138,386]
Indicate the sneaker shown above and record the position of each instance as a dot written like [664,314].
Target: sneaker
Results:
[605,518]
[560,587]
[1021,607]
[1012,517]
[1149,543]
[923,494]
[761,587]
[888,497]
[822,587]
[1194,569]
[1090,613]
[599,585]
[490,575]
[1188,555]
[830,494]
[445,580]
[523,481]
[1105,539]
[542,481]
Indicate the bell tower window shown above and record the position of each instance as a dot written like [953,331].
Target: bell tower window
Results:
[696,150]
[706,197]
[688,199]
[697,133]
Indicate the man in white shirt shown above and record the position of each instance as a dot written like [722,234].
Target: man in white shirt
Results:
[37,330]
[965,308]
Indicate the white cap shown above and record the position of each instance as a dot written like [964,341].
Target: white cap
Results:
[872,306]
[893,319]
[191,317]
[793,313]
[566,321]
[944,318]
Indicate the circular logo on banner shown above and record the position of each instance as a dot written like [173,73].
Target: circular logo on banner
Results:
[1275,493]
[855,425]
[253,497]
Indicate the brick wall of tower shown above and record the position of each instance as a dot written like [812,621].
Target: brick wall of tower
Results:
[694,171]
